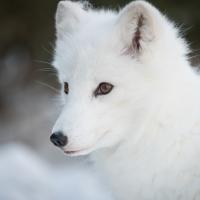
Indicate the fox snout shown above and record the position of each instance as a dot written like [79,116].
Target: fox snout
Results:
[59,139]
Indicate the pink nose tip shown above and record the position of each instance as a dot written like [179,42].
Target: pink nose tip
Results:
[59,139]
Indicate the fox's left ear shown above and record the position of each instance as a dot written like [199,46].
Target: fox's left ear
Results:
[139,24]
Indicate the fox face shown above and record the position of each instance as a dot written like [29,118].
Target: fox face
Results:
[108,64]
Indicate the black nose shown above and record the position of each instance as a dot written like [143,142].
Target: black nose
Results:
[58,139]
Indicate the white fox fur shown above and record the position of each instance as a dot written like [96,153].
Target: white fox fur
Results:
[144,134]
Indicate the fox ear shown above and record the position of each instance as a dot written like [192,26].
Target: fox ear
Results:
[68,17]
[139,24]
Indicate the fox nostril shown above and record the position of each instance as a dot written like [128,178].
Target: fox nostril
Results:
[59,139]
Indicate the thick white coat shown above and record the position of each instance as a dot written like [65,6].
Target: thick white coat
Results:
[144,134]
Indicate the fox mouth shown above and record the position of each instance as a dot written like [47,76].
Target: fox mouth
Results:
[79,152]
[84,151]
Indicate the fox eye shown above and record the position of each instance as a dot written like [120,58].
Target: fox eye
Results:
[103,89]
[66,87]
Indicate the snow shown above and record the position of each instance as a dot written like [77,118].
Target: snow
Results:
[24,175]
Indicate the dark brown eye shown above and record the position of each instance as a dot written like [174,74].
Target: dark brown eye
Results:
[66,88]
[103,88]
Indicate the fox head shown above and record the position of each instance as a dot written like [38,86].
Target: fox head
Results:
[112,67]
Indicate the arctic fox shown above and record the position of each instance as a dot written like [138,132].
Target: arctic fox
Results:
[130,98]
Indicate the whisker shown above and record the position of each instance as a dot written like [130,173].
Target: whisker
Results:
[194,56]
[47,70]
[184,29]
[48,86]
[48,51]
[42,62]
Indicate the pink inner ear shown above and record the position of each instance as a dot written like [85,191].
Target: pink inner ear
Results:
[135,46]
[137,35]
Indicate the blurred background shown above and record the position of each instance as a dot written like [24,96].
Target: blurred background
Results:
[30,166]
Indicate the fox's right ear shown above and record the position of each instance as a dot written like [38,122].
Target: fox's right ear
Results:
[68,17]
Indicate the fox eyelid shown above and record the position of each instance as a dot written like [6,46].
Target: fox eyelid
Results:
[66,87]
[103,89]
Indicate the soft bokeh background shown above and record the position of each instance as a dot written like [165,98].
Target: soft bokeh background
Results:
[30,166]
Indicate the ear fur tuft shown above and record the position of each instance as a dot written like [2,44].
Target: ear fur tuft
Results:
[139,23]
[137,36]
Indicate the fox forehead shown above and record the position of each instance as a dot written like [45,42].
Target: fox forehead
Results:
[95,65]
[92,45]
[86,61]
